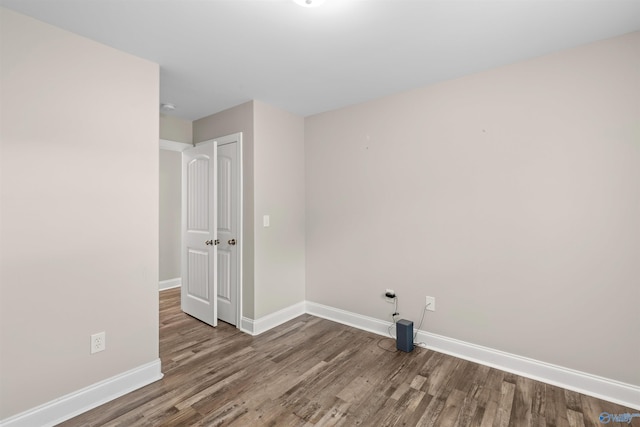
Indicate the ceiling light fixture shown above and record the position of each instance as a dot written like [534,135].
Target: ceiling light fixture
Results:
[309,3]
[167,107]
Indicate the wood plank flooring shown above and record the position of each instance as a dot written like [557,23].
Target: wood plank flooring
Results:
[313,372]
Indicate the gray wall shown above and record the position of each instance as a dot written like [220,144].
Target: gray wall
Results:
[512,196]
[176,129]
[170,214]
[79,208]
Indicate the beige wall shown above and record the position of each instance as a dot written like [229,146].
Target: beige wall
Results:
[176,129]
[279,193]
[79,229]
[233,120]
[512,196]
[170,214]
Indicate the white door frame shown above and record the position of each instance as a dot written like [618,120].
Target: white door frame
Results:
[227,139]
[236,137]
[168,145]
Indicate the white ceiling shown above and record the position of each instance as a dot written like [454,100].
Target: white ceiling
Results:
[215,54]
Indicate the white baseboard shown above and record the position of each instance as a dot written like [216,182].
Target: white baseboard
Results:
[348,318]
[170,284]
[73,404]
[581,382]
[263,324]
[246,325]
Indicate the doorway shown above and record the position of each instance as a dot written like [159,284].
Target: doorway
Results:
[228,255]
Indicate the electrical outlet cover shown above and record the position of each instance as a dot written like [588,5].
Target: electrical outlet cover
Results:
[430,303]
[98,342]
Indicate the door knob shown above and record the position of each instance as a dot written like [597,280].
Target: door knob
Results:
[232,242]
[212,242]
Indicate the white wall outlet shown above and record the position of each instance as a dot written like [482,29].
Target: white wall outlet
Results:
[98,342]
[430,302]
[389,292]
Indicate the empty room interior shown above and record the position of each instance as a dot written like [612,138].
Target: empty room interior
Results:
[433,209]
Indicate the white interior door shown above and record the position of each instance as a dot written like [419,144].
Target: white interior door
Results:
[199,232]
[228,229]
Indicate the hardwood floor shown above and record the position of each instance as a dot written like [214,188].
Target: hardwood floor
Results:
[313,372]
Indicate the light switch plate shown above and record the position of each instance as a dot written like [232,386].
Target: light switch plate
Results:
[265,221]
